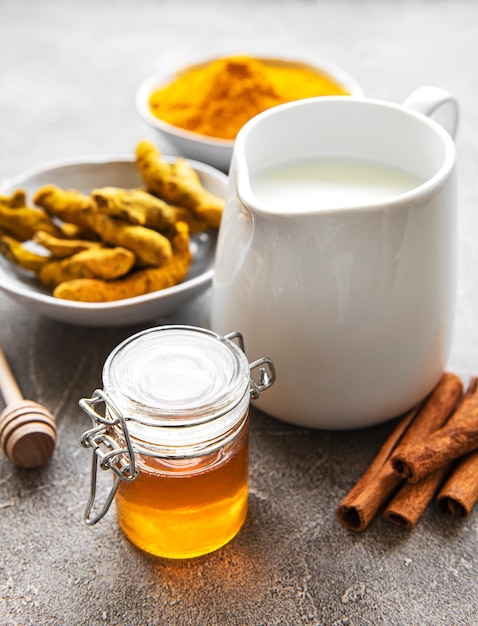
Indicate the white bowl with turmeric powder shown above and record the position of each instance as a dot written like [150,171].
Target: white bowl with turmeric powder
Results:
[201,106]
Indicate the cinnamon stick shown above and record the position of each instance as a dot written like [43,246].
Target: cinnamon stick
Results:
[359,506]
[459,494]
[412,499]
[379,481]
[456,438]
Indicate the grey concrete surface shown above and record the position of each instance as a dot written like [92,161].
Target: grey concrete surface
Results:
[68,73]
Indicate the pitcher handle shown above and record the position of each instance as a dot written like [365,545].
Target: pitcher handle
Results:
[436,103]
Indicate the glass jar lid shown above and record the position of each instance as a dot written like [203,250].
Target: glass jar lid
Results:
[179,378]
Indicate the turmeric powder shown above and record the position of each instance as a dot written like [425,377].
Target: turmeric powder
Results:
[217,99]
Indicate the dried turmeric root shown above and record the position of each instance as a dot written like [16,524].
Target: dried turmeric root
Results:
[21,222]
[182,169]
[70,231]
[17,199]
[139,282]
[195,223]
[162,179]
[60,248]
[114,243]
[150,247]
[104,263]
[135,206]
[68,205]
[16,253]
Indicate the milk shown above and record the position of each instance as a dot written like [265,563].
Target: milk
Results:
[329,183]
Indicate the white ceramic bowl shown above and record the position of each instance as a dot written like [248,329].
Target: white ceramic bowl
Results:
[85,174]
[218,152]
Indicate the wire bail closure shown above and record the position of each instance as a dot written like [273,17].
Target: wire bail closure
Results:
[107,454]
[106,450]
[267,373]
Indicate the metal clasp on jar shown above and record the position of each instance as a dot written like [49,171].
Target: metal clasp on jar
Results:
[106,450]
[267,374]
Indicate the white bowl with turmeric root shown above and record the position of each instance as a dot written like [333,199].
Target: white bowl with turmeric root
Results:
[110,240]
[201,105]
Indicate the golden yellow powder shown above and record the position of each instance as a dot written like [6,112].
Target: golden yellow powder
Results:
[218,98]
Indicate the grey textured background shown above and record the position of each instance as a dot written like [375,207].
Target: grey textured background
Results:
[68,74]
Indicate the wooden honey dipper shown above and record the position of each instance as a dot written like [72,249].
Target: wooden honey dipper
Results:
[27,429]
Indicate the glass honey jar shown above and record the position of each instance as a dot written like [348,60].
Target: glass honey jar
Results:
[174,432]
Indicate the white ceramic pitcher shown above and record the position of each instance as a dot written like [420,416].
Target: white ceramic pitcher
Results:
[354,305]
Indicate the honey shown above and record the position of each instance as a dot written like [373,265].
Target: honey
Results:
[186,508]
[175,433]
